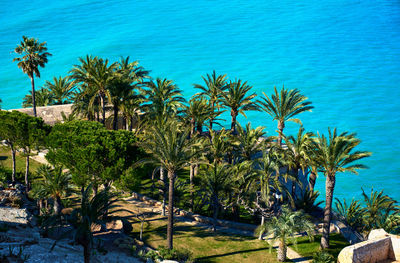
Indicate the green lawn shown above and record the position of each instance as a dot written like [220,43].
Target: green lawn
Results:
[6,161]
[204,245]
[336,241]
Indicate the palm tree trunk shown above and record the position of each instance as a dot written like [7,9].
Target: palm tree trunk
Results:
[330,186]
[216,206]
[282,249]
[103,109]
[212,119]
[33,95]
[261,224]
[170,227]
[27,173]
[312,179]
[115,120]
[86,253]
[233,122]
[14,167]
[57,205]
[281,126]
[162,179]
[191,177]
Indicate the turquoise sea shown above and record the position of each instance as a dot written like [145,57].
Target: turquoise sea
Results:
[343,54]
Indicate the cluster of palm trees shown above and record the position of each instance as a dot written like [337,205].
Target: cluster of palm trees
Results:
[230,169]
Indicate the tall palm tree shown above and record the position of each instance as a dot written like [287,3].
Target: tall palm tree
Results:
[216,179]
[219,146]
[52,183]
[99,74]
[297,156]
[128,77]
[82,106]
[214,86]
[283,106]
[171,149]
[162,97]
[285,227]
[33,55]
[335,154]
[235,97]
[61,89]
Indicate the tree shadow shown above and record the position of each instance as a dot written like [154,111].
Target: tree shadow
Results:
[3,158]
[209,258]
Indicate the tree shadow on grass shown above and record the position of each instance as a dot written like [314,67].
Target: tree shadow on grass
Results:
[210,258]
[3,158]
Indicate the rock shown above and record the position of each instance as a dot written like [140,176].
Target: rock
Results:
[377,233]
[149,260]
[169,261]
[14,215]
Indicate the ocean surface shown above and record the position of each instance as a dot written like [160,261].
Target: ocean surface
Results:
[344,55]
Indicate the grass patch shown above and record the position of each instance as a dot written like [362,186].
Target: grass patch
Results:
[204,245]
[6,162]
[336,241]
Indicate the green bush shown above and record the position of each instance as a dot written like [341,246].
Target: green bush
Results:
[323,257]
[164,253]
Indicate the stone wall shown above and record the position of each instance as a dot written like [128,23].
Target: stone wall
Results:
[380,246]
[50,114]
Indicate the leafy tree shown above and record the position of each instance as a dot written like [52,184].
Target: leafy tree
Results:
[213,89]
[335,154]
[52,183]
[285,227]
[21,131]
[32,56]
[11,132]
[236,99]
[61,88]
[283,106]
[171,149]
[91,153]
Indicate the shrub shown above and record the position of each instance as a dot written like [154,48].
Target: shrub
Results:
[323,257]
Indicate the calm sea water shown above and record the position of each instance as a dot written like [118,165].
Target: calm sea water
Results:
[343,54]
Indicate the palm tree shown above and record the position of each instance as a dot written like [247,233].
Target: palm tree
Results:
[99,74]
[284,106]
[93,210]
[235,98]
[334,154]
[214,86]
[196,113]
[249,141]
[128,78]
[52,183]
[43,97]
[378,207]
[61,88]
[82,106]
[285,227]
[219,146]
[171,149]
[162,97]
[216,179]
[33,55]
[297,155]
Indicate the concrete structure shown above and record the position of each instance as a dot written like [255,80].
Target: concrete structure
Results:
[50,114]
[380,247]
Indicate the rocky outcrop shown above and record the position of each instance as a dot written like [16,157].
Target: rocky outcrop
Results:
[380,246]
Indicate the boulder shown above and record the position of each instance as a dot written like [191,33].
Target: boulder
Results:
[12,215]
